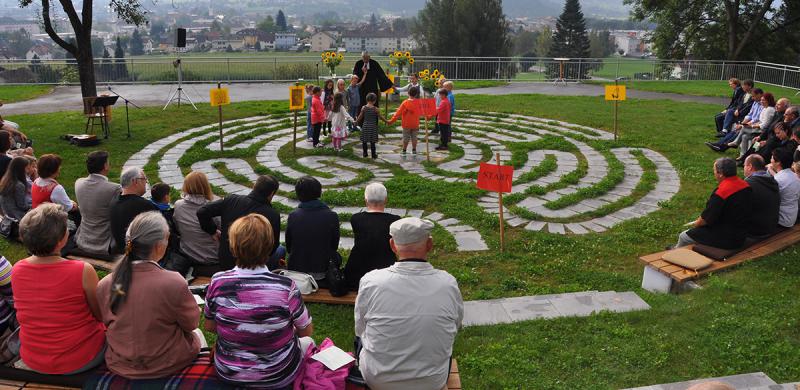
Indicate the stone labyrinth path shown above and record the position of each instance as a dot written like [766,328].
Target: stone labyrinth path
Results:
[568,179]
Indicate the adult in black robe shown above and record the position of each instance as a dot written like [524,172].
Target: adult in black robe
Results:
[376,79]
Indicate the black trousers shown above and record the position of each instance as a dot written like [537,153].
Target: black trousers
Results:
[445,133]
[719,119]
[317,127]
[372,148]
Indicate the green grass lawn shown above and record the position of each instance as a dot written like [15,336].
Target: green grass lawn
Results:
[698,88]
[741,321]
[17,93]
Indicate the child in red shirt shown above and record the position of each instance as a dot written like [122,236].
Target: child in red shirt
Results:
[443,120]
[409,111]
[317,116]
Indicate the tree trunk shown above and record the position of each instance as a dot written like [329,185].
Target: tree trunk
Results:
[86,70]
[732,16]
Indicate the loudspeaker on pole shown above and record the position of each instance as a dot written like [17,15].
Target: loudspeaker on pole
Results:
[180,37]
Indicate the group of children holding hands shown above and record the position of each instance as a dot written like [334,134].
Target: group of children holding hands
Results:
[337,113]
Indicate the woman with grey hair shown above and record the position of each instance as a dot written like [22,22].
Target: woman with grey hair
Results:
[60,331]
[150,313]
[371,229]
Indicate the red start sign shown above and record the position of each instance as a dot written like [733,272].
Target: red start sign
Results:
[496,178]
[427,107]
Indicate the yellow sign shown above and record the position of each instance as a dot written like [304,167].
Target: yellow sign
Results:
[296,98]
[615,92]
[220,97]
[390,90]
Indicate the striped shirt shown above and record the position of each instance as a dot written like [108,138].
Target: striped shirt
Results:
[256,313]
[6,295]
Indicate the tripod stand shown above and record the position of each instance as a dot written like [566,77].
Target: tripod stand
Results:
[179,94]
[127,118]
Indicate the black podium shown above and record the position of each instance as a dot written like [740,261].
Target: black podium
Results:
[100,104]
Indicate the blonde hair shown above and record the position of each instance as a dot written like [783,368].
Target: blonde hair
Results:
[796,167]
[251,241]
[196,183]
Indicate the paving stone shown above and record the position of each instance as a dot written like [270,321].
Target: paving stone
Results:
[535,226]
[557,228]
[469,241]
[434,216]
[415,213]
[576,228]
[516,221]
[741,381]
[447,222]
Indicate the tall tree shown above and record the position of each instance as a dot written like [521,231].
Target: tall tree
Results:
[267,25]
[543,42]
[601,44]
[723,29]
[157,28]
[280,21]
[373,22]
[463,28]
[120,68]
[525,42]
[570,39]
[129,11]
[136,44]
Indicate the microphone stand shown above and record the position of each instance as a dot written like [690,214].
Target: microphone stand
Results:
[127,118]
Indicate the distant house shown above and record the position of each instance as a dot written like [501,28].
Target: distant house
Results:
[251,36]
[381,41]
[222,44]
[285,41]
[41,51]
[148,46]
[322,41]
[632,42]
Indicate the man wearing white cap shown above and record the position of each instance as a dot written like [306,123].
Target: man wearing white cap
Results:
[407,315]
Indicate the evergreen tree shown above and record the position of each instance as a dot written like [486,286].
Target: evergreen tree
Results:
[106,67]
[258,46]
[136,44]
[465,28]
[120,68]
[267,25]
[373,22]
[571,41]
[280,21]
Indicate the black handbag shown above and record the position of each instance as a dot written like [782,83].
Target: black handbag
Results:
[9,228]
[337,285]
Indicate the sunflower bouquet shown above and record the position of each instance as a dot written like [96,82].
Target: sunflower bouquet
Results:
[431,80]
[399,60]
[332,60]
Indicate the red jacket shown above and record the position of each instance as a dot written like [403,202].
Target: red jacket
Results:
[317,110]
[443,112]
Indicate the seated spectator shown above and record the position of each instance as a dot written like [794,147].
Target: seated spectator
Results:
[256,314]
[788,184]
[5,146]
[748,130]
[8,319]
[766,198]
[726,116]
[741,110]
[312,231]
[371,230]
[33,174]
[129,205]
[752,115]
[233,207]
[200,248]
[159,195]
[723,223]
[796,139]
[407,315]
[764,145]
[15,189]
[45,188]
[150,314]
[98,196]
[55,299]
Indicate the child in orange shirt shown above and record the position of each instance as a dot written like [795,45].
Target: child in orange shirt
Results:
[409,111]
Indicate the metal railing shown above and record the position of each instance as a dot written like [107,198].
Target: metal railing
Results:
[287,68]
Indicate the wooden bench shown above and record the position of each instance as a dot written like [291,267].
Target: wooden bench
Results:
[322,295]
[98,264]
[662,276]
[454,380]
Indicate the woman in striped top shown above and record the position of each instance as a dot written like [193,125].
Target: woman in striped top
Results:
[256,314]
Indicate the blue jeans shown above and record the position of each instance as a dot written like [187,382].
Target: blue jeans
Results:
[727,124]
[280,253]
[354,113]
[309,128]
[728,138]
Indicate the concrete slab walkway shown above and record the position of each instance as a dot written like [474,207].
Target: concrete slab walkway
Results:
[68,98]
[751,381]
[580,304]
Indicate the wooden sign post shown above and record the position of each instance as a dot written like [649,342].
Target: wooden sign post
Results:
[296,103]
[615,93]
[497,178]
[427,109]
[220,97]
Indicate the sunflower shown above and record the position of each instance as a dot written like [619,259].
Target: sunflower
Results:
[341,57]
[327,60]
[408,54]
[398,54]
[411,61]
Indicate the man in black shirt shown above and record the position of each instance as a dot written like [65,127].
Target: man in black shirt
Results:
[766,197]
[129,205]
[233,207]
[723,223]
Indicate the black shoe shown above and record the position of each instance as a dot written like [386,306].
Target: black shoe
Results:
[713,147]
[721,134]
[669,247]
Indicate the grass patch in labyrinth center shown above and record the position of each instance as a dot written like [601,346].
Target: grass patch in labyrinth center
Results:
[741,321]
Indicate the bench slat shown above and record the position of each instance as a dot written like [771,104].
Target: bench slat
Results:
[760,249]
[454,379]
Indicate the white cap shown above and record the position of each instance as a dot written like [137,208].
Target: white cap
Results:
[410,230]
